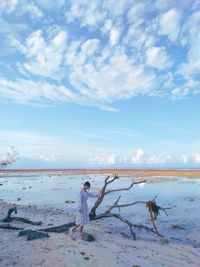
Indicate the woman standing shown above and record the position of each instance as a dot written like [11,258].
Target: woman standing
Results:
[82,217]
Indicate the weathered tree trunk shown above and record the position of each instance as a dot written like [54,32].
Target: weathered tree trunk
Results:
[59,229]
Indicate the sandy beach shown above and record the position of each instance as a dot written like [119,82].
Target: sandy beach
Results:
[113,245]
[109,249]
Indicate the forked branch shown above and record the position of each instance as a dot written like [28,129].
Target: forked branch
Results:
[108,213]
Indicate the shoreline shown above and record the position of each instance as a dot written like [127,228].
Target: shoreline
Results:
[134,172]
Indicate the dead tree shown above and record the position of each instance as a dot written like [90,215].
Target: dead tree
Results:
[10,158]
[109,212]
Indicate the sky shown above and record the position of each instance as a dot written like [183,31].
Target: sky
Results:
[100,84]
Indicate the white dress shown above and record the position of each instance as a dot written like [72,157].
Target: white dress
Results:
[83,217]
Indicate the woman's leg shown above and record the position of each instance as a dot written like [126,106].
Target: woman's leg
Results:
[75,227]
[81,229]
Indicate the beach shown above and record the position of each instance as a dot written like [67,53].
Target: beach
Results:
[113,245]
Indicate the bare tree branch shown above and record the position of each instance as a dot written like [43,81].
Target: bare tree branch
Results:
[10,158]
[127,188]
[126,205]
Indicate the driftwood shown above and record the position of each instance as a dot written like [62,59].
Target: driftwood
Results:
[8,218]
[151,205]
[9,227]
[109,213]
[59,229]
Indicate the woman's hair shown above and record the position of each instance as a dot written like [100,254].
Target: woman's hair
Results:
[87,184]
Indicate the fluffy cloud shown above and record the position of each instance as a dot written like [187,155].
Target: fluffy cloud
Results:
[21,8]
[107,26]
[158,58]
[197,158]
[98,54]
[159,160]
[114,36]
[135,12]
[191,39]
[138,159]
[103,161]
[170,24]
[87,13]
[8,6]
[190,158]
[18,91]
[44,57]
[180,93]
[141,158]
[48,158]
[33,10]
[111,76]
[184,158]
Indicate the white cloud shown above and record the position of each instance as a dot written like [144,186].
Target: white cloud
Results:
[25,91]
[144,159]
[31,9]
[21,7]
[170,24]
[88,13]
[88,49]
[114,36]
[138,159]
[197,158]
[107,26]
[135,12]
[180,93]
[184,158]
[194,85]
[117,56]
[191,39]
[110,78]
[136,36]
[159,159]
[104,161]
[45,57]
[158,58]
[8,6]
[48,158]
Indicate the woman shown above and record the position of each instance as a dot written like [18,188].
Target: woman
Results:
[82,217]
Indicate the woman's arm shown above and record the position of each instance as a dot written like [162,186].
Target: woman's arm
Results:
[93,195]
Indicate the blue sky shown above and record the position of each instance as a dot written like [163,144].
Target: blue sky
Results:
[87,84]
